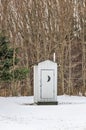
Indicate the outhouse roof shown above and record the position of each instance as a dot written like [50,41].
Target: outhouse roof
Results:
[47,62]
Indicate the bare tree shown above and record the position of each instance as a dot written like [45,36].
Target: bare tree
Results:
[41,27]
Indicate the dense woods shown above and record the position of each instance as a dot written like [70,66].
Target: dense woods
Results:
[39,28]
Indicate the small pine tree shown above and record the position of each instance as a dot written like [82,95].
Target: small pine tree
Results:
[7,73]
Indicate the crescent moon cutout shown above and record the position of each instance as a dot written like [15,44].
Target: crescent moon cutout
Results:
[49,78]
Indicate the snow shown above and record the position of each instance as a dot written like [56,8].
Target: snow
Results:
[19,113]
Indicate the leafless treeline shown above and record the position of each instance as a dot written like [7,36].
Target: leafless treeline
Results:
[40,28]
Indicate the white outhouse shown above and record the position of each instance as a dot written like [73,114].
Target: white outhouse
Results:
[45,83]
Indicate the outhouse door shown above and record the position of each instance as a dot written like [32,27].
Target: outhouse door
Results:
[47,84]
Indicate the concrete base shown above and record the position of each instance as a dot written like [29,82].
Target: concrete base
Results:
[47,103]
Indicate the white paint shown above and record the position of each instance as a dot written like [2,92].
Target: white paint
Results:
[54,57]
[35,82]
[45,82]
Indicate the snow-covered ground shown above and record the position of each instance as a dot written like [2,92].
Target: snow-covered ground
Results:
[17,114]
